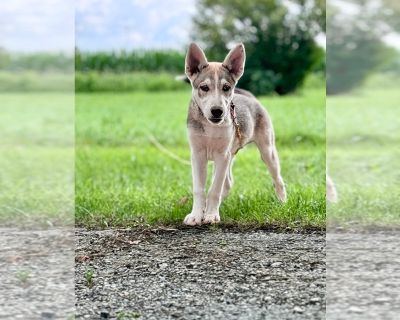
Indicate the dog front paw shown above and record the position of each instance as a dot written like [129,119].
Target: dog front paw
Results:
[193,219]
[282,195]
[281,192]
[211,218]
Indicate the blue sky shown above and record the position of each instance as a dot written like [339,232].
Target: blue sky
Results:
[107,24]
[56,25]
[37,25]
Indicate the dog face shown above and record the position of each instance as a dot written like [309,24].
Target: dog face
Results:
[212,82]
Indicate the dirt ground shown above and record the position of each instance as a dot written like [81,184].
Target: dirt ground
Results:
[37,274]
[200,273]
[363,275]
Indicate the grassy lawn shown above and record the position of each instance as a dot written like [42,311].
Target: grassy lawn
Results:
[363,138]
[122,178]
[36,159]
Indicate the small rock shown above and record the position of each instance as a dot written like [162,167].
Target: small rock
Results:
[276,264]
[47,315]
[382,300]
[104,315]
[298,309]
[355,309]
[315,300]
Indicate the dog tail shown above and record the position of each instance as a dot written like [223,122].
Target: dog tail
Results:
[182,77]
[331,193]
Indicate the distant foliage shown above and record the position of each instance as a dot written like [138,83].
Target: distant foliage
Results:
[38,61]
[138,60]
[94,81]
[280,46]
[355,48]
[34,81]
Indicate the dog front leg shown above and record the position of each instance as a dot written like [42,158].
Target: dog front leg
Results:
[199,175]
[214,195]
[331,194]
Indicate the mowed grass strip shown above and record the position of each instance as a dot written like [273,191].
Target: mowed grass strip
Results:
[123,179]
[363,138]
[37,159]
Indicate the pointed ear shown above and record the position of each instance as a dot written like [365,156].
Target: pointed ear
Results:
[195,61]
[234,61]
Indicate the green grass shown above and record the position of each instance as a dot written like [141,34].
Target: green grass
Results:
[363,138]
[34,81]
[89,275]
[123,179]
[126,82]
[36,159]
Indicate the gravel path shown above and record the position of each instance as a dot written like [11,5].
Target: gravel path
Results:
[363,275]
[36,274]
[203,273]
[199,274]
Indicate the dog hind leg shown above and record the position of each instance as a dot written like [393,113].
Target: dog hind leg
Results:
[265,142]
[331,193]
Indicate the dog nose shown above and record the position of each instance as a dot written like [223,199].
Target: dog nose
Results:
[216,112]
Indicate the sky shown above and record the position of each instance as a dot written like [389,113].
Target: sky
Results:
[57,25]
[105,24]
[37,25]
[93,25]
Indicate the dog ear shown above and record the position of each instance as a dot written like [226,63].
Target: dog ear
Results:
[234,61]
[195,61]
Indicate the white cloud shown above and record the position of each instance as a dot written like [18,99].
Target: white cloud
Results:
[392,39]
[32,25]
[136,37]
[133,24]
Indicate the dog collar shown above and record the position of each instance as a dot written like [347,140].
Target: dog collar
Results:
[236,124]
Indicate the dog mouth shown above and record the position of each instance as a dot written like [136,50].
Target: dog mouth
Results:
[216,120]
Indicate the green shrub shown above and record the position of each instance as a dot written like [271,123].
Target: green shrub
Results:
[32,81]
[136,81]
[280,47]
[38,61]
[137,60]
[355,47]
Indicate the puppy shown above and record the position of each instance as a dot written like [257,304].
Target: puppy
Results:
[221,120]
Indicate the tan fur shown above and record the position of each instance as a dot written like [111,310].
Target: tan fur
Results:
[217,141]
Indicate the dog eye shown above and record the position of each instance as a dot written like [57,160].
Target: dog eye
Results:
[226,88]
[204,88]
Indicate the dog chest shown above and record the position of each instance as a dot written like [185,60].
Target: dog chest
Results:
[213,142]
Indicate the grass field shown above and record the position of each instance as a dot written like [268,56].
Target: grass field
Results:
[122,178]
[363,138]
[37,159]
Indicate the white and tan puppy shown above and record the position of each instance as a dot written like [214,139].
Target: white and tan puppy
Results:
[221,120]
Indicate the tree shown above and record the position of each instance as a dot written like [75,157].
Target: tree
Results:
[280,45]
[4,58]
[354,43]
